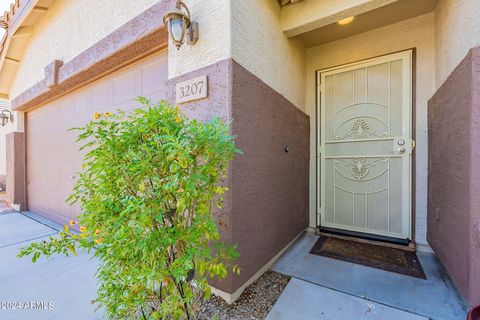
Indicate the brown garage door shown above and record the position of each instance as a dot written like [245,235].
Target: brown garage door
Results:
[53,159]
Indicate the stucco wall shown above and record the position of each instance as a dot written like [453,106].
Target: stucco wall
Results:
[69,27]
[214,44]
[3,159]
[16,192]
[453,211]
[457,30]
[269,186]
[413,33]
[259,45]
[3,148]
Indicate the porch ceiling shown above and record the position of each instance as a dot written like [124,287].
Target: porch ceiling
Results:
[376,17]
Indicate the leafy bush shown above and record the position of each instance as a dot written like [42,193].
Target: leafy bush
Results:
[146,190]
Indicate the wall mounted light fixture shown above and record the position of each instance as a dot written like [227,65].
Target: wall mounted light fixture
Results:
[5,116]
[180,25]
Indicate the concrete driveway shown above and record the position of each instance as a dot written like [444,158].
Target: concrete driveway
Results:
[55,288]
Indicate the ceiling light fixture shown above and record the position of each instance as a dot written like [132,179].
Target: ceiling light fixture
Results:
[345,21]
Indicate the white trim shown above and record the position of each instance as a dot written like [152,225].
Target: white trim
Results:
[232,297]
[424,248]
[406,57]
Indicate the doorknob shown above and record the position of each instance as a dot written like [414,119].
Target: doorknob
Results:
[401,150]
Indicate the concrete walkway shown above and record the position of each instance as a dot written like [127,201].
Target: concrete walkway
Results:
[50,289]
[327,304]
[323,288]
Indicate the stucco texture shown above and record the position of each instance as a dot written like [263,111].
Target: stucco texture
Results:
[269,181]
[415,33]
[214,44]
[260,46]
[3,141]
[457,30]
[16,191]
[68,28]
[267,203]
[453,202]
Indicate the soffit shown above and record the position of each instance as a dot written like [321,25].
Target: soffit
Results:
[379,17]
[21,20]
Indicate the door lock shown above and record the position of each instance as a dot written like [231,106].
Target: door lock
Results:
[401,142]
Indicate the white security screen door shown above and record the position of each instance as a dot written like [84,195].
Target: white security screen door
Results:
[366,146]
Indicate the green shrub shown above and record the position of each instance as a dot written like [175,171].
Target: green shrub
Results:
[146,190]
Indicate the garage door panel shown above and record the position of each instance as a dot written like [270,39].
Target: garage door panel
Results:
[102,96]
[53,156]
[151,72]
[82,104]
[126,87]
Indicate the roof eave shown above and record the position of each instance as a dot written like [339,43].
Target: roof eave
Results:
[15,18]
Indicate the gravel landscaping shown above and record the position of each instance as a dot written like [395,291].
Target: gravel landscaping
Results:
[254,303]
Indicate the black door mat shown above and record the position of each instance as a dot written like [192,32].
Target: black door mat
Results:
[375,256]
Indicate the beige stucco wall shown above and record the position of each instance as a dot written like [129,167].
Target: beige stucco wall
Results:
[457,30]
[214,44]
[69,27]
[260,46]
[413,33]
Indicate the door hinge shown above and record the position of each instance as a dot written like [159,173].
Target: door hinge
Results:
[414,144]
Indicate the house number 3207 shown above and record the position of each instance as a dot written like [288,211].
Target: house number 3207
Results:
[193,89]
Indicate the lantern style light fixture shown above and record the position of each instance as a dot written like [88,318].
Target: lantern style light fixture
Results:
[180,25]
[5,116]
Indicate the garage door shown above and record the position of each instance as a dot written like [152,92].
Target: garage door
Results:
[53,158]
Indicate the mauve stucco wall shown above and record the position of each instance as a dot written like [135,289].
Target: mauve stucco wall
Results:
[416,33]
[454,187]
[269,187]
[16,191]
[260,46]
[474,228]
[3,141]
[457,30]
[68,28]
[4,131]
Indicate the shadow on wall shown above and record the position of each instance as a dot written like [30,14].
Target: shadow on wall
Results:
[2,183]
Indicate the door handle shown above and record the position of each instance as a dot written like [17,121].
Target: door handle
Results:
[401,150]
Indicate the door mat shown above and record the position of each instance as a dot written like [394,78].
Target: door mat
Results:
[375,256]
